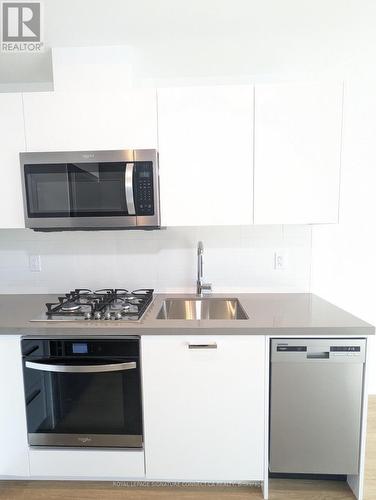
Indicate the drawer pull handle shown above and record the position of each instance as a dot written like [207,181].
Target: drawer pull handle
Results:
[212,345]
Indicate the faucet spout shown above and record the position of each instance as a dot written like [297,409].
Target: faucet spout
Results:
[200,263]
[201,286]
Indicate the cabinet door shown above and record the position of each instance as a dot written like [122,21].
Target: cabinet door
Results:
[206,153]
[70,121]
[14,459]
[297,153]
[12,136]
[204,408]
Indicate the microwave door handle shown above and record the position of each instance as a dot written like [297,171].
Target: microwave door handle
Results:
[129,169]
[115,367]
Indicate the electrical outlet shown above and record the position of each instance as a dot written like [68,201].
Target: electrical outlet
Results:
[280,260]
[35,264]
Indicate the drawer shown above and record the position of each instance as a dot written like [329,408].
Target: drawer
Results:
[85,463]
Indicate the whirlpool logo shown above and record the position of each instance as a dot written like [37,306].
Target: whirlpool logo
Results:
[21,27]
[84,440]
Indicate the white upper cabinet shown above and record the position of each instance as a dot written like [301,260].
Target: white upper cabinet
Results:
[222,161]
[12,143]
[73,121]
[205,155]
[297,153]
[204,408]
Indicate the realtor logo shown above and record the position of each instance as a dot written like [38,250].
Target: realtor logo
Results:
[21,26]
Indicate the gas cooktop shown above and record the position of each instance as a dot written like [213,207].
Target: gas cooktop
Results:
[106,304]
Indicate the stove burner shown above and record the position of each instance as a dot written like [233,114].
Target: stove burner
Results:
[134,300]
[118,304]
[70,306]
[103,304]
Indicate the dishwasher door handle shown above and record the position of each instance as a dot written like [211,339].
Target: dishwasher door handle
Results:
[318,355]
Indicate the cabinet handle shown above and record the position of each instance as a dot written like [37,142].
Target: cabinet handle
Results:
[212,345]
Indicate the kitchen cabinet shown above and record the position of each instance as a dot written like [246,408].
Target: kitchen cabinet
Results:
[228,155]
[14,459]
[71,121]
[87,463]
[12,143]
[206,154]
[297,153]
[204,407]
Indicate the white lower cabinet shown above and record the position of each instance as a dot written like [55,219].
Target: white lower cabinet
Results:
[91,464]
[14,458]
[204,411]
[204,408]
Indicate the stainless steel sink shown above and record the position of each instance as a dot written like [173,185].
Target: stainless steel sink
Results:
[212,308]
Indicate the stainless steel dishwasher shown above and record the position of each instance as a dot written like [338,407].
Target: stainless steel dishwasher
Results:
[316,405]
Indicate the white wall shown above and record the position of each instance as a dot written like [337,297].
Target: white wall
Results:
[343,256]
[175,39]
[236,259]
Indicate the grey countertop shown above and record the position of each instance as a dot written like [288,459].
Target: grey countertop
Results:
[272,314]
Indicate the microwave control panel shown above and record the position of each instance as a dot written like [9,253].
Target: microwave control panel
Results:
[144,188]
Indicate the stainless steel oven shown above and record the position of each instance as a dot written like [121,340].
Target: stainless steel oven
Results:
[91,190]
[83,392]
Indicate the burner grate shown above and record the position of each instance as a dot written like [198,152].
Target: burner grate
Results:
[101,304]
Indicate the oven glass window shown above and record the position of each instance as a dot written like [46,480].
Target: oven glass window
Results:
[97,189]
[47,190]
[76,190]
[77,405]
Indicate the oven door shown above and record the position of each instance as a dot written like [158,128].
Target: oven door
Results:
[83,402]
[75,194]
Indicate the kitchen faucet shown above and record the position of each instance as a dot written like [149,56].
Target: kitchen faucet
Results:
[201,286]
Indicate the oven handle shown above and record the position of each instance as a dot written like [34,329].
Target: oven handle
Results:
[129,188]
[115,367]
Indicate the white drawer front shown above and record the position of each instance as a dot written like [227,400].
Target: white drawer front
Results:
[95,464]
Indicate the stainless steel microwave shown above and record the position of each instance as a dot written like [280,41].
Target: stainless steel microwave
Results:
[91,190]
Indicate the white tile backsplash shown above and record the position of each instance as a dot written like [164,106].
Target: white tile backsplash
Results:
[237,258]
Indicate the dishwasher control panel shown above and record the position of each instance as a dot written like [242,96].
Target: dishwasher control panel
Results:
[299,350]
[346,350]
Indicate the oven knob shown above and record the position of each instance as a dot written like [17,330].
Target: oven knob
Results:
[97,315]
[87,315]
[118,315]
[107,315]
